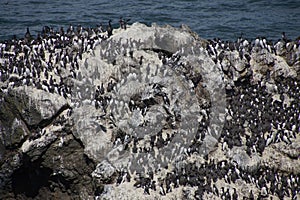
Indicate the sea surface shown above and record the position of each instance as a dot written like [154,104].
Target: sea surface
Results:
[209,18]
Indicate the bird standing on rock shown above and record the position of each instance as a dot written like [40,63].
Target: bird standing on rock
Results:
[27,35]
[123,23]
[109,29]
[234,195]
[141,60]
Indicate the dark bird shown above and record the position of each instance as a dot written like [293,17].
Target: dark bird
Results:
[164,60]
[251,197]
[215,190]
[234,195]
[121,21]
[109,29]
[141,60]
[131,54]
[125,23]
[27,35]
[146,190]
[283,37]
[162,190]
[46,30]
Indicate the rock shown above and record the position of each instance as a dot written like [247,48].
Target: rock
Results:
[13,128]
[69,164]
[166,38]
[15,134]
[265,62]
[149,112]
[104,171]
[147,42]
[25,111]
[92,134]
[36,147]
[283,157]
[281,68]
[239,155]
[30,109]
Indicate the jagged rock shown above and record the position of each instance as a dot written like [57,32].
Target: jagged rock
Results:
[69,163]
[35,148]
[13,128]
[14,134]
[25,112]
[46,103]
[35,108]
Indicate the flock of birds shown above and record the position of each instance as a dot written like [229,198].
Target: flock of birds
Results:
[40,61]
[259,118]
[270,119]
[283,47]
[206,176]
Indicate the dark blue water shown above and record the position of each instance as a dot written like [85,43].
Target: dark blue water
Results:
[209,18]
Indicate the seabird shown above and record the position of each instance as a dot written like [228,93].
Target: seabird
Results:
[234,195]
[131,54]
[251,197]
[283,36]
[125,23]
[141,60]
[162,190]
[121,21]
[27,35]
[109,29]
[215,190]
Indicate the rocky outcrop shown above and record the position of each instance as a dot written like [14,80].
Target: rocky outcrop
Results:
[150,112]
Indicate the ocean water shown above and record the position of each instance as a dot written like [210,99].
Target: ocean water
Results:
[209,18]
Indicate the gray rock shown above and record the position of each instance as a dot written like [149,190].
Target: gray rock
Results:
[239,156]
[104,171]
[91,133]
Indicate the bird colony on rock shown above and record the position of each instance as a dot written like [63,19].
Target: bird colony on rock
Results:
[158,112]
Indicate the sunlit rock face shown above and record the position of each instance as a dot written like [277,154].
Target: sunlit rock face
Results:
[149,112]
